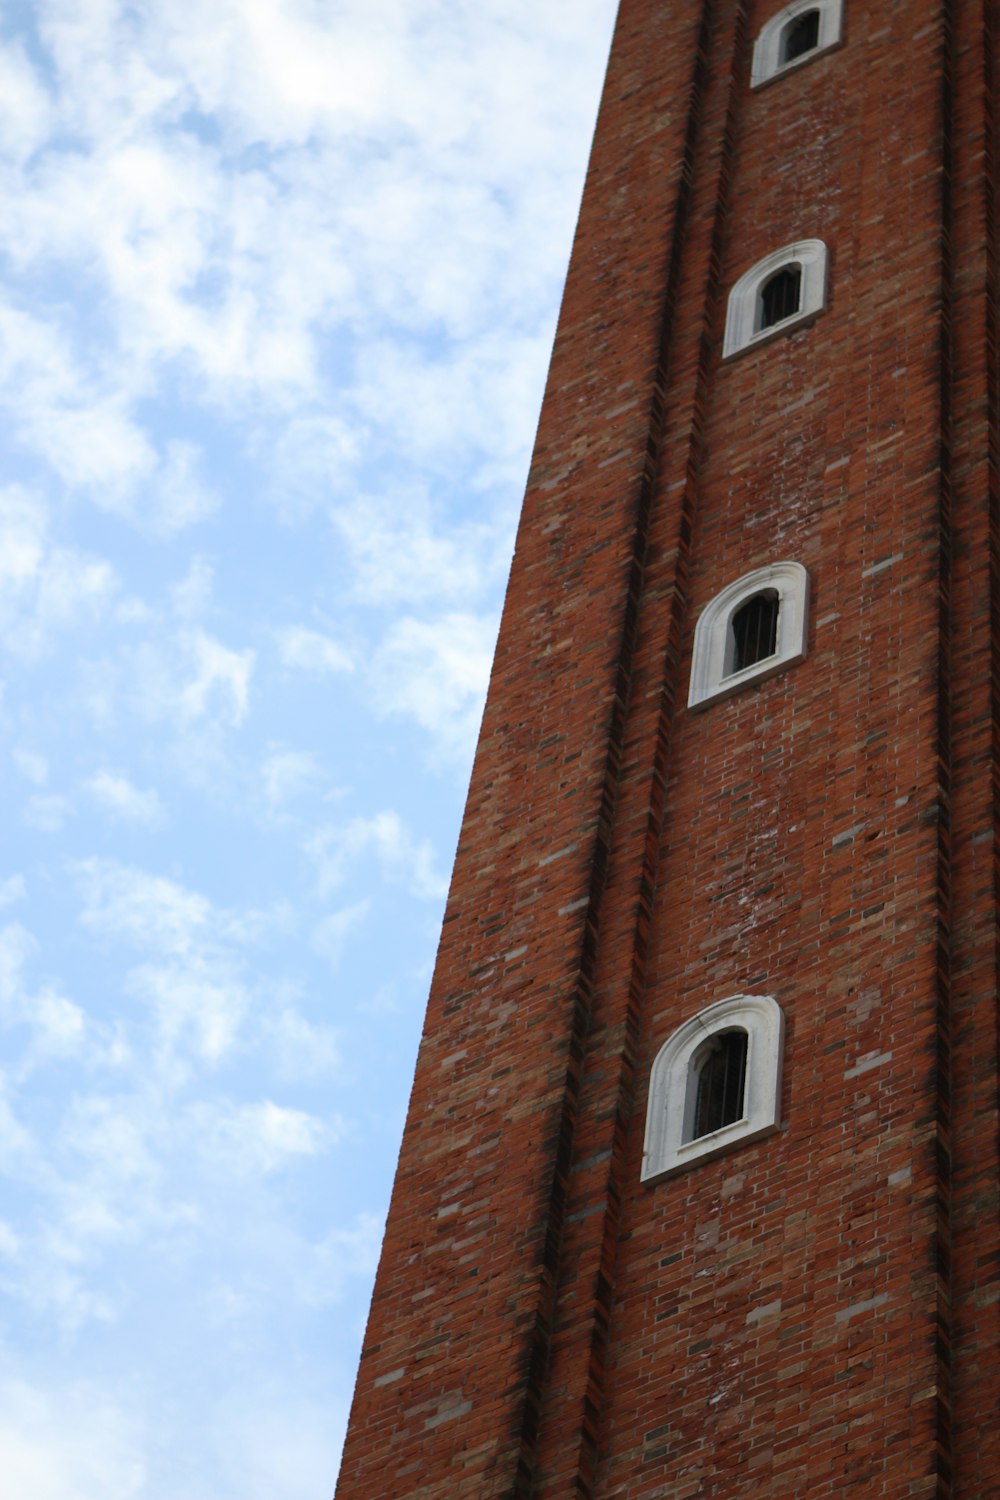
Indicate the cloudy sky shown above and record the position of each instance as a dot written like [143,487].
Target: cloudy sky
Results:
[280,280]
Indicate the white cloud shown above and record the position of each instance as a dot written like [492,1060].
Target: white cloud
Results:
[192,595]
[112,1136]
[59,1022]
[47,813]
[68,1441]
[23,528]
[264,1137]
[19,1156]
[12,889]
[315,455]
[191,976]
[287,774]
[71,585]
[125,801]
[435,673]
[274,1443]
[16,947]
[44,588]
[56,1026]
[336,851]
[75,419]
[199,1004]
[332,934]
[179,496]
[27,112]
[400,167]
[135,611]
[312,651]
[157,914]
[32,766]
[401,554]
[220,687]
[150,911]
[190,979]
[451,405]
[80,422]
[300,1048]
[347,1252]
[188,682]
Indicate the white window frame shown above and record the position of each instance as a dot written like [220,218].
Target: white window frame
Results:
[745,306]
[767,62]
[673,1084]
[713,634]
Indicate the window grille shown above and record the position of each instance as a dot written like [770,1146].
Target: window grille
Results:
[755,630]
[780,297]
[800,36]
[721,1082]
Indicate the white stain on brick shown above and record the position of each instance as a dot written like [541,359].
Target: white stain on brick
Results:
[866,1063]
[766,1310]
[559,854]
[857,1308]
[880,567]
[448,1414]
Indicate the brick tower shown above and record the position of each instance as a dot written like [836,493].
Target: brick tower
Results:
[699,1189]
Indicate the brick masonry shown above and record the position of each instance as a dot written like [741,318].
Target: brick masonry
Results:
[814,1314]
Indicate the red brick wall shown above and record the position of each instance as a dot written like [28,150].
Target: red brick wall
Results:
[814,1314]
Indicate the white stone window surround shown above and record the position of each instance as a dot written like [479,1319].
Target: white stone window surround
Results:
[673,1084]
[767,62]
[713,634]
[745,306]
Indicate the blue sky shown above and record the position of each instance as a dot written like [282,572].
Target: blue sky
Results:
[280,281]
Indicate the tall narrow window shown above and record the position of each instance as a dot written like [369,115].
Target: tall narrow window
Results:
[755,630]
[800,36]
[780,297]
[721,1083]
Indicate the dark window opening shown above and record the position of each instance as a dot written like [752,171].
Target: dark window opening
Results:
[780,296]
[755,630]
[800,36]
[721,1082]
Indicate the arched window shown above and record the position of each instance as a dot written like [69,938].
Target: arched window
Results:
[755,627]
[795,35]
[715,1083]
[778,293]
[799,36]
